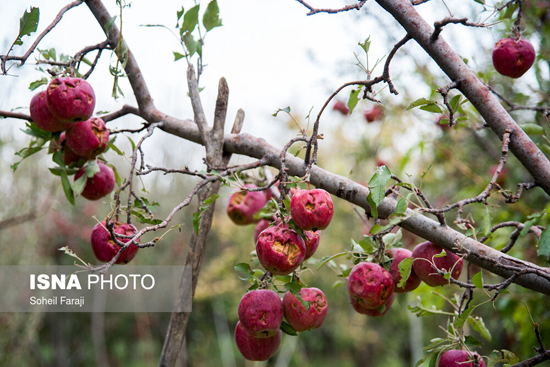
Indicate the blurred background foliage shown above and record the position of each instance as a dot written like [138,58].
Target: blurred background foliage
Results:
[457,160]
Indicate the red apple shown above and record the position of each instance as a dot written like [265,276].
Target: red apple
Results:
[43,117]
[100,185]
[374,114]
[280,250]
[370,285]
[298,316]
[260,227]
[513,57]
[398,255]
[88,138]
[68,155]
[312,242]
[373,312]
[70,99]
[424,254]
[341,107]
[105,248]
[261,313]
[244,204]
[312,209]
[256,349]
[458,358]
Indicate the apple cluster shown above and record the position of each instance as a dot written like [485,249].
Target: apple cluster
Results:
[67,106]
[372,288]
[280,250]
[258,332]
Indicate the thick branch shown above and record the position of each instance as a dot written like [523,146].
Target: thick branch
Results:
[477,93]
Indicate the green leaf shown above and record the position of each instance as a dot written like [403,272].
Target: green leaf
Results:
[431,107]
[109,24]
[287,329]
[92,168]
[455,102]
[543,247]
[373,206]
[132,143]
[423,360]
[477,280]
[441,254]
[401,206]
[502,356]
[377,228]
[190,43]
[78,185]
[479,326]
[365,45]
[326,259]
[459,322]
[294,287]
[67,189]
[405,269]
[114,147]
[191,19]
[419,102]
[38,83]
[180,14]
[472,342]
[533,129]
[211,18]
[353,99]
[528,226]
[57,171]
[196,221]
[286,109]
[377,185]
[28,24]
[211,199]
[391,239]
[246,270]
[178,56]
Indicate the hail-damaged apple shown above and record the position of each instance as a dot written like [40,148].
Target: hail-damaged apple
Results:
[312,209]
[104,246]
[280,250]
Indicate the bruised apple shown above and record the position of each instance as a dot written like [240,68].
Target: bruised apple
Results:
[101,184]
[513,57]
[298,316]
[244,204]
[88,138]
[43,117]
[104,246]
[370,285]
[261,313]
[256,349]
[280,250]
[311,209]
[424,254]
[70,99]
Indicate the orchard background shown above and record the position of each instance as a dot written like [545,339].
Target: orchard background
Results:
[273,56]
